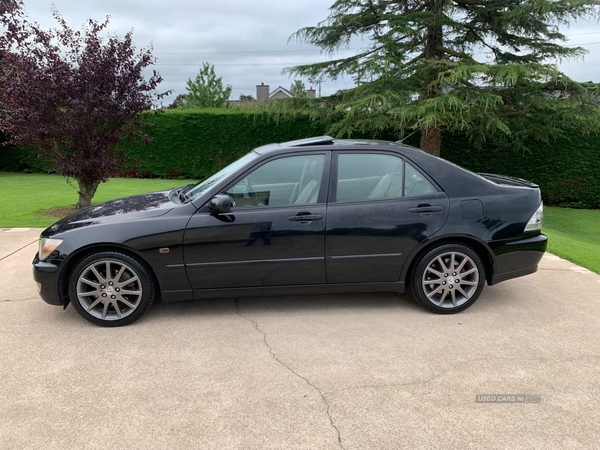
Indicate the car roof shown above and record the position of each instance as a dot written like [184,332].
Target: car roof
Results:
[328,141]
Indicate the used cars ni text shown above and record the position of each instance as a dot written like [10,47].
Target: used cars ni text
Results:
[312,216]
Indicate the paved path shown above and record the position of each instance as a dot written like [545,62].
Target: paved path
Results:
[368,371]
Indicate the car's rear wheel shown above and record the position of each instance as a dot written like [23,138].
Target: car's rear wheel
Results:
[111,289]
[448,278]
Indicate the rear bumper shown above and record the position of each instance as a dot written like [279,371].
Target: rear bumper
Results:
[46,277]
[517,258]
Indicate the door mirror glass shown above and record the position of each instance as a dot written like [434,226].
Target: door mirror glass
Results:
[220,204]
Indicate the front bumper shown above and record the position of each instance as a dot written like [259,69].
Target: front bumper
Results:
[517,258]
[46,276]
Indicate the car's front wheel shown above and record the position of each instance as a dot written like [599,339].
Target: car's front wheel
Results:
[111,289]
[448,279]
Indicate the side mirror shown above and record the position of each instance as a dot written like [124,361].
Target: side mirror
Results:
[220,204]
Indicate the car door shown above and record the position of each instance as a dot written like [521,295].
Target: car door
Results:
[380,208]
[274,234]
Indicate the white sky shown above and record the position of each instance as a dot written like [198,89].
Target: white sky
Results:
[246,40]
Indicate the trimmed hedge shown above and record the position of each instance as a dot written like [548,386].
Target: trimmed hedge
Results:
[568,171]
[196,143]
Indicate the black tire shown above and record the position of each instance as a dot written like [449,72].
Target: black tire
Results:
[111,289]
[447,279]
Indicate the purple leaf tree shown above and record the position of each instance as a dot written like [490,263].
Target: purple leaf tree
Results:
[73,95]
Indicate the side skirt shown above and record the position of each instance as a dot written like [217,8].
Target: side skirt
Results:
[168,297]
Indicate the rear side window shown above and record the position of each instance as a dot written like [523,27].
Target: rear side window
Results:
[415,183]
[369,176]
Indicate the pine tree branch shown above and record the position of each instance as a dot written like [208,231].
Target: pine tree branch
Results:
[460,55]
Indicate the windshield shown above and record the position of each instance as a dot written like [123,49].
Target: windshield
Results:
[203,186]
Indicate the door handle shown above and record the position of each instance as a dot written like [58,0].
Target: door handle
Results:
[426,209]
[305,217]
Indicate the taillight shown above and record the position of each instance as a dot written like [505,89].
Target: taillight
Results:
[535,223]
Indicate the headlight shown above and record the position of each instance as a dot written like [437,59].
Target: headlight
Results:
[47,246]
[535,223]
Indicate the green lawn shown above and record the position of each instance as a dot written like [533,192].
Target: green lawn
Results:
[574,234]
[24,196]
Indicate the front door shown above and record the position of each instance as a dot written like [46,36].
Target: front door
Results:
[274,235]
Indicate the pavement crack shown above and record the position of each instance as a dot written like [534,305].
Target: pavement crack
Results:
[279,361]
[18,299]
[18,250]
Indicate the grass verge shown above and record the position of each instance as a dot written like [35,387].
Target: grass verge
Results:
[25,197]
[574,234]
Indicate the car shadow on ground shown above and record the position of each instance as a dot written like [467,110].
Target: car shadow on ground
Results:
[284,304]
[371,303]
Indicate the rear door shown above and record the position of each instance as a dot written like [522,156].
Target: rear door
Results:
[380,208]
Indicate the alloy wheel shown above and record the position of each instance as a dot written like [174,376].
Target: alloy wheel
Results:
[450,279]
[109,289]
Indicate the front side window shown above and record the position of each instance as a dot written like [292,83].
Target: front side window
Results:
[369,176]
[199,189]
[284,181]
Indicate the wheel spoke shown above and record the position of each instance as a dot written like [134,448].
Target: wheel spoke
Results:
[461,265]
[467,272]
[105,310]
[435,272]
[117,277]
[126,282]
[443,297]
[441,262]
[452,259]
[90,282]
[117,309]
[436,291]
[462,291]
[100,278]
[453,295]
[95,293]
[94,304]
[468,283]
[128,292]
[127,303]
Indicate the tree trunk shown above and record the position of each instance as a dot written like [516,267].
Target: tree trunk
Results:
[86,193]
[431,136]
[431,141]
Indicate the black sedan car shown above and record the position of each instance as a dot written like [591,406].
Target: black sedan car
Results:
[317,215]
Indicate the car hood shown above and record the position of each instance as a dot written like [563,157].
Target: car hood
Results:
[136,207]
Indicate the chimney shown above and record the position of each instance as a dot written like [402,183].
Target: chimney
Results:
[311,93]
[262,92]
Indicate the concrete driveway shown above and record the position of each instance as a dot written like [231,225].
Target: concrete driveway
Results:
[369,371]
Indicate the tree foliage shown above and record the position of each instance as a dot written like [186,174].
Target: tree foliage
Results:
[179,102]
[206,90]
[484,68]
[298,88]
[73,95]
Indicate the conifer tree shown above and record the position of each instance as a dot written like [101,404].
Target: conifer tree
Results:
[486,68]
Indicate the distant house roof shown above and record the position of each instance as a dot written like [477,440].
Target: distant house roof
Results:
[281,92]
